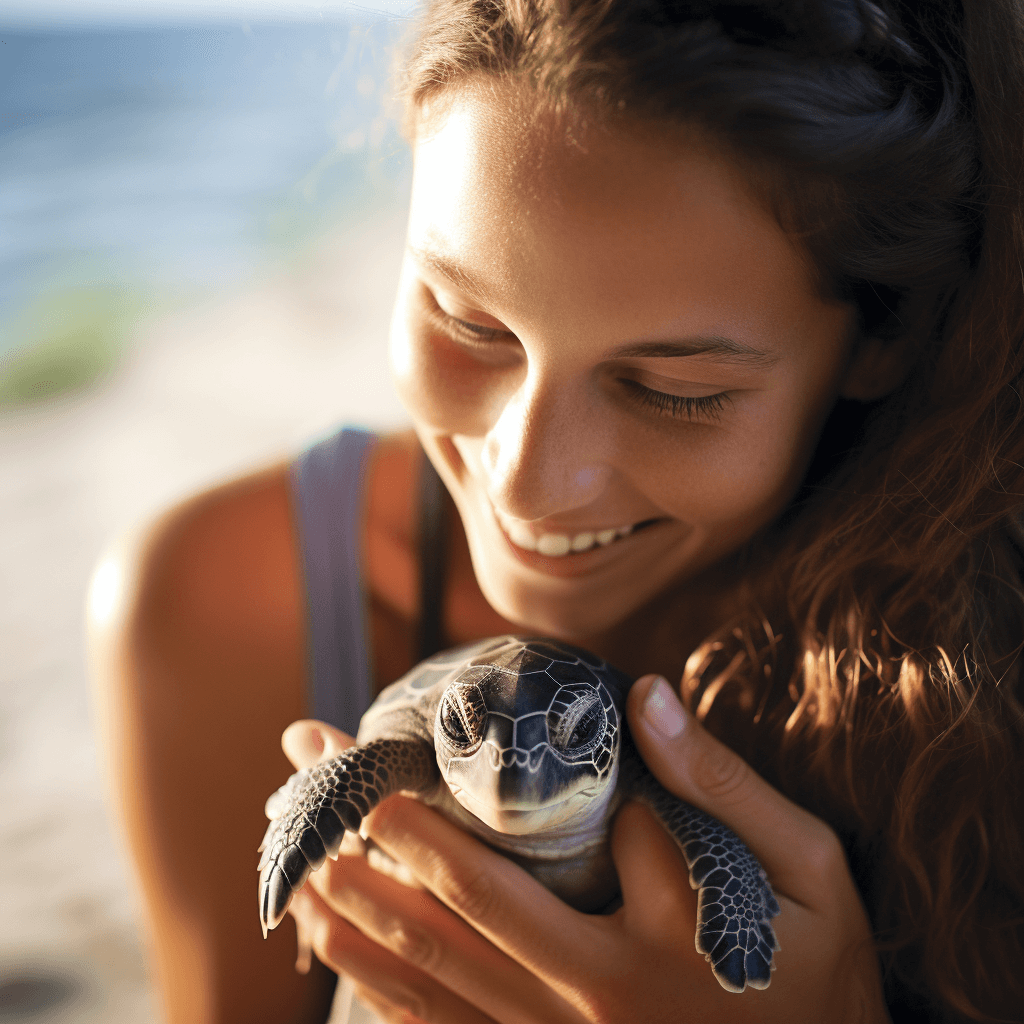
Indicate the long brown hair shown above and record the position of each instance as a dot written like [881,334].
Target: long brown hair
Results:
[876,676]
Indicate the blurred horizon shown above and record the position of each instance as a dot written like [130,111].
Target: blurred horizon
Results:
[55,14]
[201,227]
[146,166]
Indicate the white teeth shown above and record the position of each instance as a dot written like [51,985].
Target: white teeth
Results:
[519,534]
[555,544]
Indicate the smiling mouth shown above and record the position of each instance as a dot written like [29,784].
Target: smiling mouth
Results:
[558,545]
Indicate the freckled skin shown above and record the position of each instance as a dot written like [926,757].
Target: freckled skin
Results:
[596,328]
[578,241]
[523,743]
[586,243]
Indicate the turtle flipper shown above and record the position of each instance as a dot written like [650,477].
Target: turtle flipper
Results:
[735,902]
[311,811]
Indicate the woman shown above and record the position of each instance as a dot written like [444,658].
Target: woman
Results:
[711,323]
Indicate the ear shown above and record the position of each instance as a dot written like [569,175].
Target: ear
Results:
[877,367]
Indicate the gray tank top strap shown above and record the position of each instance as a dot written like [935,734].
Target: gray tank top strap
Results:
[328,483]
[433,546]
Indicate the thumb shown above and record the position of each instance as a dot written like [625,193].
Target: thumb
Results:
[689,762]
[308,741]
[656,893]
[684,756]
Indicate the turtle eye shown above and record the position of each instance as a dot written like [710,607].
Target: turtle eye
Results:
[460,719]
[453,727]
[578,728]
[586,729]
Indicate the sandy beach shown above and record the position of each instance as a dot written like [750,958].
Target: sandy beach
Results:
[205,393]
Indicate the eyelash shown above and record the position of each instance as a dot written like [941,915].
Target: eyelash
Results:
[462,329]
[678,406]
[707,407]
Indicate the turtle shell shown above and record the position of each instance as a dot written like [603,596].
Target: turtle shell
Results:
[523,742]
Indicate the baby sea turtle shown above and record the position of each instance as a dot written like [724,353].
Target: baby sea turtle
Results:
[522,742]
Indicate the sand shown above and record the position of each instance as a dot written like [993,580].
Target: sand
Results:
[207,392]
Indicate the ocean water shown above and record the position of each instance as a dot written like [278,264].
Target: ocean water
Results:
[252,178]
[139,165]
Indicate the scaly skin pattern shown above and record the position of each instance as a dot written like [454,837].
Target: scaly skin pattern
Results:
[524,743]
[735,903]
[310,813]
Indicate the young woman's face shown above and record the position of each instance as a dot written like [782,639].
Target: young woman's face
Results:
[617,360]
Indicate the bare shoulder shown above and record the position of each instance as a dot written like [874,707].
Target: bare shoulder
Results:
[197,642]
[211,582]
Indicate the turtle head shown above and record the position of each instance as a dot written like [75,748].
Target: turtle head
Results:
[528,742]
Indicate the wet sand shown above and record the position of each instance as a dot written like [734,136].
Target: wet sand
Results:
[206,393]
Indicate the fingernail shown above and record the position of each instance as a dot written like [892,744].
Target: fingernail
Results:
[662,709]
[316,737]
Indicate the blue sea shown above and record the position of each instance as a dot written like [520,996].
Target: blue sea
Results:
[165,160]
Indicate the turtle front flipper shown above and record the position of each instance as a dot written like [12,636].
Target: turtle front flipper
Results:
[311,811]
[735,902]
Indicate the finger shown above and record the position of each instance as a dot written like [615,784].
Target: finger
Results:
[499,899]
[658,902]
[303,935]
[308,741]
[387,1012]
[344,949]
[660,906]
[801,854]
[416,927]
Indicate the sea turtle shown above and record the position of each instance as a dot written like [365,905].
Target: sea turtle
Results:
[522,742]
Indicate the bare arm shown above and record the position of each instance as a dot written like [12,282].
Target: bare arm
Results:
[197,647]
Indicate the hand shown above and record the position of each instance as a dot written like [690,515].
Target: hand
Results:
[486,942]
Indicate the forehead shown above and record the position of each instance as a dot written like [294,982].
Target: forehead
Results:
[505,186]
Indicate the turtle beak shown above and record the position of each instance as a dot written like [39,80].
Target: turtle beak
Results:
[513,791]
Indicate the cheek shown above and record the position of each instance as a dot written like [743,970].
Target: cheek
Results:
[729,484]
[752,477]
[443,388]
[735,490]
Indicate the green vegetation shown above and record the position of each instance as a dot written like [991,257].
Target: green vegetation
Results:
[66,340]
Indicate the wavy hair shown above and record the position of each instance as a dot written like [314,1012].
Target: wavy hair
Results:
[875,676]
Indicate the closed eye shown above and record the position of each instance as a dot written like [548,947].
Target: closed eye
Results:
[703,407]
[464,330]
[706,407]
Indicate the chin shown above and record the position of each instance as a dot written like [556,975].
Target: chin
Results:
[572,616]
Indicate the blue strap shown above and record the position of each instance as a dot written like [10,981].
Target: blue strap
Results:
[328,482]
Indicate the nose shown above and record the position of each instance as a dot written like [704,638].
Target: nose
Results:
[547,451]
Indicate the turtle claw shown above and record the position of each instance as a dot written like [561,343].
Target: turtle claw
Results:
[305,829]
[285,866]
[310,813]
[273,901]
[278,883]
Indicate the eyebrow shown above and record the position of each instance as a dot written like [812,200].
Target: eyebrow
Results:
[712,345]
[448,268]
[721,348]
